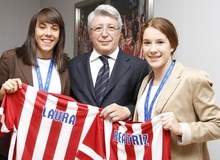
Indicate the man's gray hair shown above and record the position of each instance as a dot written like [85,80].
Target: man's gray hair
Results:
[104,10]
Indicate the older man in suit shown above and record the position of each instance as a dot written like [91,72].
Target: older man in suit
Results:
[126,71]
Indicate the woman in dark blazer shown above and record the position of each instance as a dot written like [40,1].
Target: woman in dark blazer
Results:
[40,56]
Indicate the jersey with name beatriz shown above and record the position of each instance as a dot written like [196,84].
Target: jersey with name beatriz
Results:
[43,125]
[126,140]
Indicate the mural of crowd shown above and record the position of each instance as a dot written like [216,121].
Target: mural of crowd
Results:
[133,21]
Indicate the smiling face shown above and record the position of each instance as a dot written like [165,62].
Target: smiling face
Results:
[157,49]
[106,41]
[46,36]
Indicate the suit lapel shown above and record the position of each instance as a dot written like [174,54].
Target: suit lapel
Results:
[169,88]
[26,71]
[144,85]
[83,68]
[120,68]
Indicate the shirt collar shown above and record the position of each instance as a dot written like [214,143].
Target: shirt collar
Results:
[95,55]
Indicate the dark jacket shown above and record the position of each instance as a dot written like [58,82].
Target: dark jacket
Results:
[123,85]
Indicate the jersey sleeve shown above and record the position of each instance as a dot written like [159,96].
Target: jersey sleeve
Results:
[93,145]
[9,110]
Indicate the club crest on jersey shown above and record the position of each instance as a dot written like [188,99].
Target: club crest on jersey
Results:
[58,115]
[129,139]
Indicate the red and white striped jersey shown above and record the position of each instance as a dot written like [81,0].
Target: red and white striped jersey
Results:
[43,125]
[52,126]
[126,140]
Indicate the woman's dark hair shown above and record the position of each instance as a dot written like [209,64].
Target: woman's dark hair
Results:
[27,52]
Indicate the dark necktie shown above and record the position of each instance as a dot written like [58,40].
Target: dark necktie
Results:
[102,80]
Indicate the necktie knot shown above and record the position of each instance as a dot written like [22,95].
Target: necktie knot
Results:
[104,59]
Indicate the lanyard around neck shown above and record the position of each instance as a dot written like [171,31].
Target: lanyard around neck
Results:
[147,108]
[48,78]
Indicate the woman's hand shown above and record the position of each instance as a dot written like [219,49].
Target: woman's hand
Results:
[10,86]
[170,122]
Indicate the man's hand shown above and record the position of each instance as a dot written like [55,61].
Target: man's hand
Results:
[115,112]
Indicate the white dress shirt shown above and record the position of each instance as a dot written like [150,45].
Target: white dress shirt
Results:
[96,63]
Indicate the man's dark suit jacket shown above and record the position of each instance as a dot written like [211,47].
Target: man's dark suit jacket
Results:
[123,86]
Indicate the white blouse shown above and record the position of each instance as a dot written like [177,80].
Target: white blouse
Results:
[55,85]
[140,105]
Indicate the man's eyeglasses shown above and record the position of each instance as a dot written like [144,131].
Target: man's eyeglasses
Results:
[109,29]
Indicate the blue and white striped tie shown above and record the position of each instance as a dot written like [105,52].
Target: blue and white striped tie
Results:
[102,80]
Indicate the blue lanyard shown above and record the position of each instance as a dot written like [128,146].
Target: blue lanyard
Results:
[49,74]
[147,109]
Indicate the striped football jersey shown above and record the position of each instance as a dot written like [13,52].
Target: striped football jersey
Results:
[44,125]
